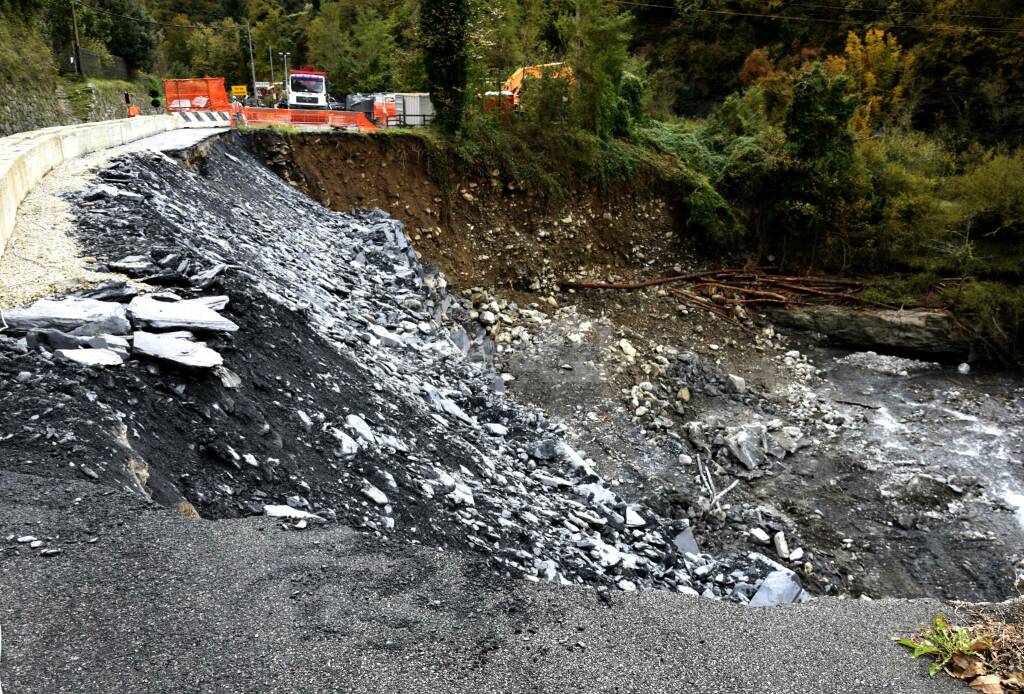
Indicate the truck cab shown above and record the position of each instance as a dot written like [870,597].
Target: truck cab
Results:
[307,89]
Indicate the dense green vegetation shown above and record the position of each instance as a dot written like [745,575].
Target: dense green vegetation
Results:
[875,138]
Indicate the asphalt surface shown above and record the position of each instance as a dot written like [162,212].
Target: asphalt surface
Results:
[162,603]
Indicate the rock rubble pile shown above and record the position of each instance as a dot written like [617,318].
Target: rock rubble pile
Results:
[399,427]
[99,333]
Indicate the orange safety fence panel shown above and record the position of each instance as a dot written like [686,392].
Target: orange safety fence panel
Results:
[326,119]
[384,112]
[350,119]
[201,94]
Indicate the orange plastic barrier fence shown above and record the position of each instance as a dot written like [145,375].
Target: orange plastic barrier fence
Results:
[384,112]
[325,119]
[203,94]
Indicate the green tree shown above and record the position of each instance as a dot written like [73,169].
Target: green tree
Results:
[969,83]
[877,68]
[271,29]
[816,182]
[410,73]
[443,34]
[133,37]
[175,55]
[216,50]
[355,44]
[508,34]
[597,36]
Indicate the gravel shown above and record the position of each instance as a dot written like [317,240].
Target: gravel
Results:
[42,257]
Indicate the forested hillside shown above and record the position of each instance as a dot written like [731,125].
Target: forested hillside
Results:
[955,66]
[870,137]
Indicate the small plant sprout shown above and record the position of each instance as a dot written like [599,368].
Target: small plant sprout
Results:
[946,643]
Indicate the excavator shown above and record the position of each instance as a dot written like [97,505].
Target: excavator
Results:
[509,98]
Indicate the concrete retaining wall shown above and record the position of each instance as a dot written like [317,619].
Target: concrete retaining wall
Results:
[26,157]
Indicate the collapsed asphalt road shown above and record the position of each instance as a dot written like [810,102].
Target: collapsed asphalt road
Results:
[349,394]
[345,388]
[142,600]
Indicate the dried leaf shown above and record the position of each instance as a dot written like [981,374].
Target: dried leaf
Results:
[964,667]
[988,684]
[1014,681]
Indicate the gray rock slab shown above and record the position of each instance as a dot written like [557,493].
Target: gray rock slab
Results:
[177,350]
[284,511]
[114,343]
[684,542]
[109,291]
[188,314]
[779,588]
[91,357]
[77,315]
[361,428]
[745,446]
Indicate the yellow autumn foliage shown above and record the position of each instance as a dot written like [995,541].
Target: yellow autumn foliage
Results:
[876,67]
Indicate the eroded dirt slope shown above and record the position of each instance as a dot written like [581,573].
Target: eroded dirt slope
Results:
[488,231]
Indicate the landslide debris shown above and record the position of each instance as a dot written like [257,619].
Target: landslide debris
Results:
[356,389]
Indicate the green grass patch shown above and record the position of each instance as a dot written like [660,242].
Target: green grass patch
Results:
[943,643]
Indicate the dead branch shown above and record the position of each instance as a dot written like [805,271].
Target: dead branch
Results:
[600,284]
[742,290]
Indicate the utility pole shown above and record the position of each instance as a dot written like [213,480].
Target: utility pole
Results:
[284,79]
[270,54]
[252,62]
[78,53]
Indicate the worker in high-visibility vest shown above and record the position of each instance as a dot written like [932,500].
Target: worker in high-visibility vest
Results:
[133,110]
[237,117]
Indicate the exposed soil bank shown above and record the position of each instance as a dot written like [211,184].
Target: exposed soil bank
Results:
[492,233]
[480,232]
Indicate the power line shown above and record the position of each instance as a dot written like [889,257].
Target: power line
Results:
[817,20]
[914,12]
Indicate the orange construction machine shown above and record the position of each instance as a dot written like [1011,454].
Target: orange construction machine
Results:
[508,99]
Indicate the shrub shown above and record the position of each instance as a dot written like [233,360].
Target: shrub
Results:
[909,214]
[25,56]
[634,92]
[992,193]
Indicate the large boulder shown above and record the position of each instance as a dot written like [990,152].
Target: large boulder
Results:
[930,331]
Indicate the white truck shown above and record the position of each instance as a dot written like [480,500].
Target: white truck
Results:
[306,89]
